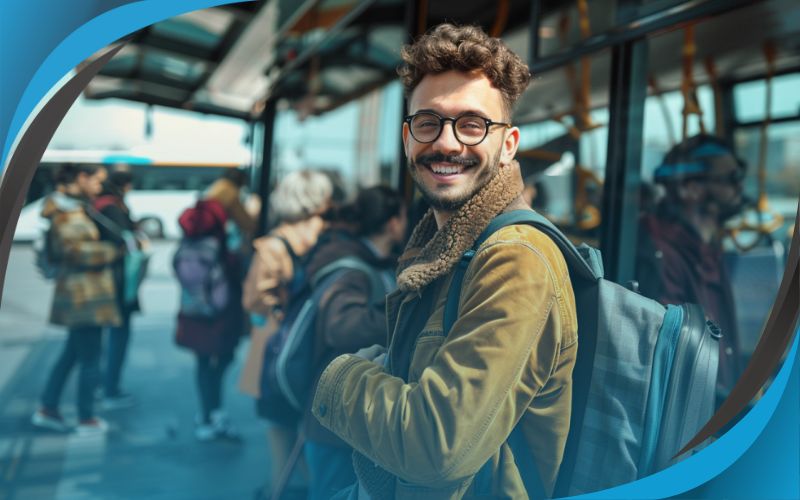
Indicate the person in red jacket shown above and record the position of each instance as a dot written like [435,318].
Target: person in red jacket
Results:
[214,339]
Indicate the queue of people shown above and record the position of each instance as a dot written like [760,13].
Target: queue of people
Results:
[404,401]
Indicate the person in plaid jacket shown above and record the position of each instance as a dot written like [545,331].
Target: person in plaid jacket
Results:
[84,300]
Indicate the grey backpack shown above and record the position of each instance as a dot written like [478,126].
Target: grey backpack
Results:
[643,383]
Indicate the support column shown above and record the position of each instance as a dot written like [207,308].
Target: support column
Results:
[533,37]
[628,87]
[265,169]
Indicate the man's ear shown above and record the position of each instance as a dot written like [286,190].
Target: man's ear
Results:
[510,145]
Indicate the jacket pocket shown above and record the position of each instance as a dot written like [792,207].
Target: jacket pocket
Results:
[425,349]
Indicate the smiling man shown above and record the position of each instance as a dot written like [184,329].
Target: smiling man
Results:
[433,417]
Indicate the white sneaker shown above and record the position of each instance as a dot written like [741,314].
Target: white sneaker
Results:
[222,425]
[205,432]
[92,427]
[49,420]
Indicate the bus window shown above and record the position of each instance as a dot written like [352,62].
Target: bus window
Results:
[560,28]
[563,147]
[662,125]
[750,97]
[782,169]
[709,231]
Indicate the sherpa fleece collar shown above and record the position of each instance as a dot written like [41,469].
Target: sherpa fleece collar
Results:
[431,254]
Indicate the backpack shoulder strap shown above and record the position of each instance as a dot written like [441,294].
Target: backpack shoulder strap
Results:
[377,291]
[583,263]
[289,248]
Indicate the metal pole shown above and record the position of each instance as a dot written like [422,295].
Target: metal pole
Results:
[404,184]
[533,42]
[628,86]
[265,170]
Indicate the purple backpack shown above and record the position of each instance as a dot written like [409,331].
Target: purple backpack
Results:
[200,269]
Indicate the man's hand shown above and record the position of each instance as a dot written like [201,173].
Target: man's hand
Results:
[372,353]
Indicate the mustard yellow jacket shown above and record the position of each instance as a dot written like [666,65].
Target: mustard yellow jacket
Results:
[507,359]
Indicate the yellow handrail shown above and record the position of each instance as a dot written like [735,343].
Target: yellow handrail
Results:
[768,220]
[688,88]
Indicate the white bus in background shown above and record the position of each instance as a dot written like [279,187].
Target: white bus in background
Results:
[162,189]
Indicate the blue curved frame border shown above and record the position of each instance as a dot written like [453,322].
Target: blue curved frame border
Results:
[776,448]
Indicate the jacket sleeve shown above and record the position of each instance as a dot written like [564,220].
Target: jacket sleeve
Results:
[439,431]
[79,248]
[347,320]
[263,287]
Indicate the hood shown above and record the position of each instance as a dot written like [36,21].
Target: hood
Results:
[432,253]
[205,218]
[59,202]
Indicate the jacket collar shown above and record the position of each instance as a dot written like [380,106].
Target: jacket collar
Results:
[432,253]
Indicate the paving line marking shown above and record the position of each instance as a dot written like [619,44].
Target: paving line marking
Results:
[83,459]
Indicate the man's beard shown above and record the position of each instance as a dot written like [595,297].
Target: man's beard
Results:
[451,203]
[724,210]
[728,210]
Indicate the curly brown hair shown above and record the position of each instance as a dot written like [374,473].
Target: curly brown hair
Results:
[465,48]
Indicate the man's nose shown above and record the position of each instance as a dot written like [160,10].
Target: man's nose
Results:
[446,142]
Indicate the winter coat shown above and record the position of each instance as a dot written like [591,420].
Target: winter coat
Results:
[85,294]
[442,406]
[347,319]
[266,290]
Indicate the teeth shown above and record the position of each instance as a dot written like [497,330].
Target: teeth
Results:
[437,169]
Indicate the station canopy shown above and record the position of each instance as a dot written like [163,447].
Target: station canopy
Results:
[316,55]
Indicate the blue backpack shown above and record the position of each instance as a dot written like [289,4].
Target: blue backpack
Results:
[644,379]
[289,365]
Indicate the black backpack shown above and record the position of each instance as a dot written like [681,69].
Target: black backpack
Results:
[289,364]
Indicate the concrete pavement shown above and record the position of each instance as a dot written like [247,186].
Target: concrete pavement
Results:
[150,451]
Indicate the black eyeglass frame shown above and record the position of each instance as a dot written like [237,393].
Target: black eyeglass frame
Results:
[452,120]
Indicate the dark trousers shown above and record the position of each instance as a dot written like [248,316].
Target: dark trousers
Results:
[330,469]
[118,337]
[82,346]
[210,372]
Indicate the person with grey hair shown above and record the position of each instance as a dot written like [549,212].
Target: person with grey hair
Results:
[299,196]
[297,205]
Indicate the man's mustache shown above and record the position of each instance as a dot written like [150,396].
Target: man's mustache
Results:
[465,161]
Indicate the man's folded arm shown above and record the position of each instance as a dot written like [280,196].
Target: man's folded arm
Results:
[443,428]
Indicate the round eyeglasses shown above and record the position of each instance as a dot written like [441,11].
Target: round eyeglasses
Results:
[469,130]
